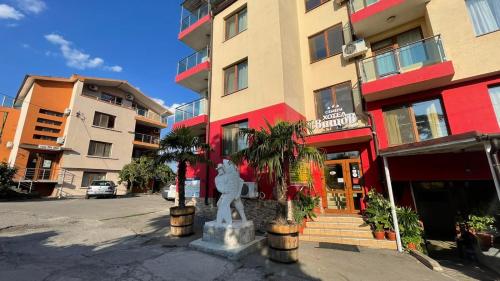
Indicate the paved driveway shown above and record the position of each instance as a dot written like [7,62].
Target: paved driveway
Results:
[126,239]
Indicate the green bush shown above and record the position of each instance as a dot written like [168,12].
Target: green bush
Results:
[409,227]
[303,207]
[378,211]
[6,175]
[481,223]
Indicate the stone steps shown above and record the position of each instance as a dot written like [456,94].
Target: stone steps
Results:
[339,232]
[365,242]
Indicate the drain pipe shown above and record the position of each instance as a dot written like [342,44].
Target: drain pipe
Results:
[209,100]
[393,205]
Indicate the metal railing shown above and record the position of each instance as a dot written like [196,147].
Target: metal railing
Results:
[192,60]
[26,178]
[357,5]
[6,101]
[151,115]
[406,58]
[190,110]
[193,17]
[147,138]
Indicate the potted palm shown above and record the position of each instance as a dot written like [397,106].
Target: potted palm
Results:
[410,228]
[303,208]
[183,147]
[273,150]
[377,213]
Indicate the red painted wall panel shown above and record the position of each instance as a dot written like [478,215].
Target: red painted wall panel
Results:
[374,9]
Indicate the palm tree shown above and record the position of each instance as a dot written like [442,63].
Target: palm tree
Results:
[181,146]
[274,150]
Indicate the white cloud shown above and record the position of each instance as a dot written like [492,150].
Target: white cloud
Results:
[76,58]
[172,107]
[160,101]
[26,46]
[8,12]
[32,6]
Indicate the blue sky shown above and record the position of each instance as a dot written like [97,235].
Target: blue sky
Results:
[130,40]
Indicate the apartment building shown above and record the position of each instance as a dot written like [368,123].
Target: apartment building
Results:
[402,95]
[62,133]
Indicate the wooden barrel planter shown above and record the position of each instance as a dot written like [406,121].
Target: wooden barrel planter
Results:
[283,242]
[182,221]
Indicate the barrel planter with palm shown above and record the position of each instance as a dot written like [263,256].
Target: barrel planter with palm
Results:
[183,147]
[273,151]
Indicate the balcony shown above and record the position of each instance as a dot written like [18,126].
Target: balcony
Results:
[196,26]
[193,115]
[146,141]
[369,17]
[192,71]
[6,101]
[148,117]
[419,66]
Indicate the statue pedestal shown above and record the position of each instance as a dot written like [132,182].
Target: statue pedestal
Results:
[231,241]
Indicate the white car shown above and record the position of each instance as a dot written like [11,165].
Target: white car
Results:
[101,188]
[169,193]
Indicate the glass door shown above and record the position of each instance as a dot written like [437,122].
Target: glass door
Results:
[343,186]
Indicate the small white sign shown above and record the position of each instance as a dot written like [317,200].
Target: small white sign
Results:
[49,147]
[192,188]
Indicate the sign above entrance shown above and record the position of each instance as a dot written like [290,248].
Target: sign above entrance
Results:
[49,147]
[335,118]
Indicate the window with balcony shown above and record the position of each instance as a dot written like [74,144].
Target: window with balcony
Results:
[415,122]
[50,112]
[357,5]
[89,177]
[236,23]
[335,98]
[46,129]
[327,43]
[311,4]
[44,137]
[495,100]
[97,148]
[485,15]
[111,98]
[104,120]
[236,77]
[232,141]
[47,121]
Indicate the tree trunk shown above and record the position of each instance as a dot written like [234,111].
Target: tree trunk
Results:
[181,178]
[282,208]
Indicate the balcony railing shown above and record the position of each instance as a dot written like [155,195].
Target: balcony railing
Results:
[192,60]
[6,101]
[416,55]
[357,5]
[194,17]
[147,138]
[151,115]
[190,110]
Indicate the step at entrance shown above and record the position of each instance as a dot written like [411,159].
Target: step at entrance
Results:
[348,230]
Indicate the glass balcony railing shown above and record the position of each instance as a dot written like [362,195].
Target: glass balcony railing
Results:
[6,101]
[357,5]
[404,59]
[190,110]
[192,60]
[194,17]
[147,138]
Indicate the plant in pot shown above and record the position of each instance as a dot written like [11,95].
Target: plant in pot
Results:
[272,151]
[303,208]
[183,147]
[410,229]
[482,226]
[378,213]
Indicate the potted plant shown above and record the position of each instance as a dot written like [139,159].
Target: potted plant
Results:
[303,208]
[183,147]
[377,213]
[378,231]
[409,228]
[272,151]
[482,226]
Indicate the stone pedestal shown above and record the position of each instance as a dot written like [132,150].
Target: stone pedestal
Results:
[232,241]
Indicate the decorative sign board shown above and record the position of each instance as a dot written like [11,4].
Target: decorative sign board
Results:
[192,188]
[334,117]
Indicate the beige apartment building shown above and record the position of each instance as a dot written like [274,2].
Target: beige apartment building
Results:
[62,133]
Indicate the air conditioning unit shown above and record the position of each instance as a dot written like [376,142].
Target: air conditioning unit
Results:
[9,145]
[67,111]
[129,97]
[354,49]
[249,190]
[60,140]
[93,88]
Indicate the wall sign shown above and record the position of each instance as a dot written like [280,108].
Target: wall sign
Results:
[49,147]
[334,117]
[192,188]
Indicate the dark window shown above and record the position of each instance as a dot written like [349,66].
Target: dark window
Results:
[43,137]
[236,77]
[97,148]
[45,129]
[104,120]
[339,96]
[311,4]
[89,177]
[232,141]
[236,23]
[415,122]
[326,43]
[111,98]
[47,121]
[50,112]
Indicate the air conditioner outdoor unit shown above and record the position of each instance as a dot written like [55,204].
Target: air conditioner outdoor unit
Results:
[354,49]
[67,111]
[93,88]
[129,97]
[9,144]
[249,190]
[60,140]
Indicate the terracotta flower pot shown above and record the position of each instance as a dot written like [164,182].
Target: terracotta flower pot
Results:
[411,246]
[390,235]
[485,240]
[379,234]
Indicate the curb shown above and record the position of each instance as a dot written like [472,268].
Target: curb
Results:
[426,260]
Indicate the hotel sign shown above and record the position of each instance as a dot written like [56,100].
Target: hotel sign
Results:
[334,117]
[49,147]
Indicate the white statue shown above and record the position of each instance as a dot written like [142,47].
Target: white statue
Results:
[229,184]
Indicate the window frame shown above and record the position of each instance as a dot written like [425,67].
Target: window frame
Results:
[324,33]
[222,135]
[39,128]
[236,76]
[100,114]
[472,22]
[332,93]
[322,2]
[236,17]
[50,112]
[97,155]
[497,114]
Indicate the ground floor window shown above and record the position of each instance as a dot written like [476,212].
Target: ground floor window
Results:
[495,100]
[88,177]
[232,141]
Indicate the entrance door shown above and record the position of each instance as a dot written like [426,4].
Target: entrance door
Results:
[40,166]
[343,189]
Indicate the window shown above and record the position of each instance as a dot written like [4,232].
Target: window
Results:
[236,77]
[43,137]
[47,121]
[111,99]
[97,148]
[330,97]
[232,141]
[485,15]
[311,4]
[89,177]
[415,122]
[236,23]
[327,43]
[495,100]
[45,129]
[104,120]
[50,112]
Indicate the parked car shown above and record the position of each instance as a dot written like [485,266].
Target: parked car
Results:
[169,192]
[102,188]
